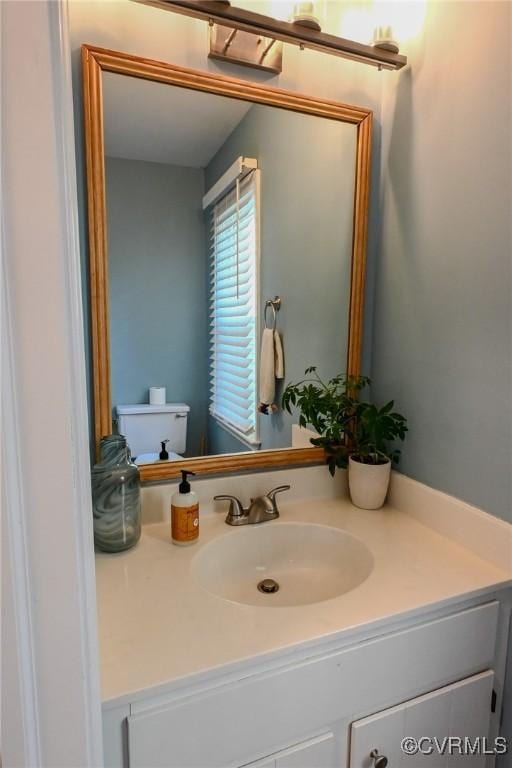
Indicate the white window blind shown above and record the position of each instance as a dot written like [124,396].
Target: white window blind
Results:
[233,309]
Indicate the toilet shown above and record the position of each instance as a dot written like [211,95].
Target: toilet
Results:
[146,426]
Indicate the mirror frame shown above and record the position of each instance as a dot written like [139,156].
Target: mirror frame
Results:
[97,60]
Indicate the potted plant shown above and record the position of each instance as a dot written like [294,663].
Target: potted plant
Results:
[354,433]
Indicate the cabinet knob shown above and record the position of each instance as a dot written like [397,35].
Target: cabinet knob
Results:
[379,761]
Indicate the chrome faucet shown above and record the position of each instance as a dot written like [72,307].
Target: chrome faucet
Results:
[261,509]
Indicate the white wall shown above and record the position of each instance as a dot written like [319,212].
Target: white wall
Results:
[141,30]
[51,690]
[443,313]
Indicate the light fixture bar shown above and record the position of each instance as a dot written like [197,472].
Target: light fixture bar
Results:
[287,32]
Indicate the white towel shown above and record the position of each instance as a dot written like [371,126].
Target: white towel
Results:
[271,368]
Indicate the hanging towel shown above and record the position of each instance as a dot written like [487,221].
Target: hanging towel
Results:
[271,368]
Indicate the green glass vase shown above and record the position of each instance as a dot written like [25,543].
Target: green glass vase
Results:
[116,497]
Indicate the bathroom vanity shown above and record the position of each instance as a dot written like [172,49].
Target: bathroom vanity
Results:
[201,669]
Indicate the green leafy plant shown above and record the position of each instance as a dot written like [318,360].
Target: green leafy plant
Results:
[347,426]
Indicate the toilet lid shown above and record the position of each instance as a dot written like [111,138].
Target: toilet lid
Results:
[151,458]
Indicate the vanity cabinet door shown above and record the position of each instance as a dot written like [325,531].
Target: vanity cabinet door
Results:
[459,710]
[313,753]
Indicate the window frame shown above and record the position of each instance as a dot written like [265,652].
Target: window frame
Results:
[251,440]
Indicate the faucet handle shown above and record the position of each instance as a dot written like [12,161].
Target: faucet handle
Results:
[236,511]
[273,493]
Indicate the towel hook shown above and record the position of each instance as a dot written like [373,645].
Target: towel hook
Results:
[275,305]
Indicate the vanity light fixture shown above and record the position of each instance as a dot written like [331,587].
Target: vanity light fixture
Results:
[255,40]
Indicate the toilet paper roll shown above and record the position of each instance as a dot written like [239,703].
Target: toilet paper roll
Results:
[157,395]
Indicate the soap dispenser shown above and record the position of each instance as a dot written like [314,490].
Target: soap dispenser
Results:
[164,454]
[184,513]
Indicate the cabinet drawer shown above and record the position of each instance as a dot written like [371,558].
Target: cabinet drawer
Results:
[236,723]
[318,752]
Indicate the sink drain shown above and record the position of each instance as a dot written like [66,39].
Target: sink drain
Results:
[268,586]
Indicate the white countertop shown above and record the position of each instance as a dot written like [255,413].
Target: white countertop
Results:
[156,624]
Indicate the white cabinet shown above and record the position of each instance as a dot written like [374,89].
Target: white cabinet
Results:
[298,700]
[458,711]
[461,710]
[299,714]
[313,753]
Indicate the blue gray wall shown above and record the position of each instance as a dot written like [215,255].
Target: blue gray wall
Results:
[307,188]
[443,321]
[157,286]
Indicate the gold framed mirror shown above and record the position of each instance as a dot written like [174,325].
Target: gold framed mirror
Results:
[237,97]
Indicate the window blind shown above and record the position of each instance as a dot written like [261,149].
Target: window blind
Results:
[233,309]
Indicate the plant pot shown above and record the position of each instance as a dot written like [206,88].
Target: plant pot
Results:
[368,483]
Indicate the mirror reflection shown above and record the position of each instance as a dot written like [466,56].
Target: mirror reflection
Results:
[230,229]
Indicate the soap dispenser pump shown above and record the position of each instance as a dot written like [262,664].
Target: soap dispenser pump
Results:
[163,455]
[184,513]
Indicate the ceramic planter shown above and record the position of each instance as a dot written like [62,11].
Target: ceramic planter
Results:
[368,483]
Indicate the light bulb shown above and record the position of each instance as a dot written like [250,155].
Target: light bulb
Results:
[304,14]
[383,37]
[398,21]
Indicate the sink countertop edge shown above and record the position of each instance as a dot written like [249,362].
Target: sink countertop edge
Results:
[302,651]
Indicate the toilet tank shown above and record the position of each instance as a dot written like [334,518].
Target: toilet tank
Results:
[145,426]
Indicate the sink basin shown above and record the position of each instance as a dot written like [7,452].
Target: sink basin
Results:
[307,562]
